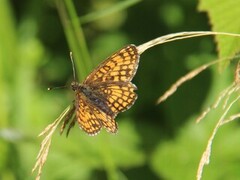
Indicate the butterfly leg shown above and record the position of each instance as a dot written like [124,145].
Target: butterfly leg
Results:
[67,118]
[71,125]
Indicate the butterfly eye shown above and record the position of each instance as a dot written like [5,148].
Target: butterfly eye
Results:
[74,85]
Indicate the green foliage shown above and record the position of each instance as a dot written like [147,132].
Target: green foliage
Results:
[153,142]
[104,12]
[183,153]
[223,18]
[75,37]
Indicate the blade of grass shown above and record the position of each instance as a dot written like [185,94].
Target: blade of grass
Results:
[8,66]
[7,59]
[106,12]
[75,37]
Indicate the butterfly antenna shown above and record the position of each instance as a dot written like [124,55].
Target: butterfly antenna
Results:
[73,67]
[74,75]
[52,88]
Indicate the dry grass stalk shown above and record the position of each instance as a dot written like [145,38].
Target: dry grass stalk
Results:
[182,80]
[226,106]
[226,93]
[231,118]
[231,91]
[45,145]
[206,154]
[237,74]
[237,87]
[221,96]
[178,36]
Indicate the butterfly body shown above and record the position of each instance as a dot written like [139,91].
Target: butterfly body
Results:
[92,96]
[106,92]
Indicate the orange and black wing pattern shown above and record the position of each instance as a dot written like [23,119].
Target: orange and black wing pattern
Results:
[107,91]
[120,67]
[119,96]
[91,119]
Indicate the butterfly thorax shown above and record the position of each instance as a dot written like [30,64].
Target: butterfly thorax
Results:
[92,96]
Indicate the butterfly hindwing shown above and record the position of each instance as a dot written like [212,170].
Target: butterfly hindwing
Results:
[91,119]
[119,96]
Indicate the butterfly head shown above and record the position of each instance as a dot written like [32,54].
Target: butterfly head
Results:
[75,85]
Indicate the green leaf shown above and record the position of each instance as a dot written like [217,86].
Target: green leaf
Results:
[224,18]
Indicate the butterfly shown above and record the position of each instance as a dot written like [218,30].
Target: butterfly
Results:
[105,92]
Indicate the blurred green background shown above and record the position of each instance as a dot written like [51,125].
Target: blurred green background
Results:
[154,141]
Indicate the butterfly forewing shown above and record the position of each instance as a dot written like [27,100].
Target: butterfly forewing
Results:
[121,66]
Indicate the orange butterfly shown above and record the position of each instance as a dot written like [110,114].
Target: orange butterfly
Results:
[106,92]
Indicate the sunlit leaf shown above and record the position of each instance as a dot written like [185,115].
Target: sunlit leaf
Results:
[223,17]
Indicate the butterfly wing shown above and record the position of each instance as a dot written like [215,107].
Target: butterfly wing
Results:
[121,66]
[90,118]
[119,96]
